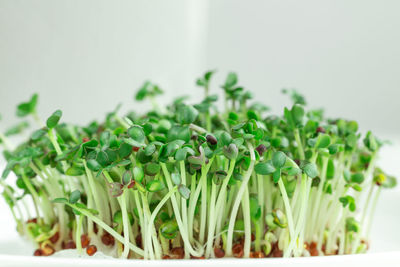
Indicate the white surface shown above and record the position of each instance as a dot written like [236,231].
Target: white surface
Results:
[385,238]
[84,57]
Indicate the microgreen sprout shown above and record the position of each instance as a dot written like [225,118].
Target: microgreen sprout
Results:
[192,181]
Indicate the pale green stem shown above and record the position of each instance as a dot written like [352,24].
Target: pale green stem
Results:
[238,199]
[181,227]
[78,234]
[110,230]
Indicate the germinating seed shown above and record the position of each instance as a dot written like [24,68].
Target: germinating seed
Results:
[196,181]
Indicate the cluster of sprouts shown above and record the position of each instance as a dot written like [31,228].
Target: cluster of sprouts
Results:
[195,181]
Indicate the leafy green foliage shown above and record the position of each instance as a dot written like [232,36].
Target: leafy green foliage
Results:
[264,168]
[75,197]
[27,108]
[311,170]
[53,120]
[228,170]
[148,90]
[154,186]
[184,191]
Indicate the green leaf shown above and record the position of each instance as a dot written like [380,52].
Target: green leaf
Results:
[351,140]
[352,225]
[289,119]
[184,191]
[116,189]
[255,209]
[219,176]
[137,134]
[102,158]
[74,171]
[16,129]
[333,149]
[93,165]
[36,135]
[149,150]
[291,170]
[370,142]
[208,74]
[230,81]
[297,115]
[279,218]
[348,200]
[311,170]
[278,159]
[27,108]
[169,229]
[390,182]
[186,114]
[117,218]
[74,197]
[125,150]
[176,178]
[276,175]
[231,151]
[296,97]
[182,153]
[178,132]
[126,177]
[155,186]
[324,141]
[344,201]
[357,178]
[138,174]
[151,168]
[143,92]
[264,168]
[105,137]
[53,120]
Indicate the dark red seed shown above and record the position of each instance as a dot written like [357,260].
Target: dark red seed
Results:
[85,240]
[33,220]
[108,239]
[38,252]
[91,250]
[135,148]
[55,238]
[297,161]
[85,139]
[69,245]
[261,149]
[95,229]
[276,252]
[238,250]
[178,252]
[48,250]
[257,254]
[166,257]
[312,248]
[211,140]
[363,241]
[131,184]
[320,130]
[139,241]
[219,252]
